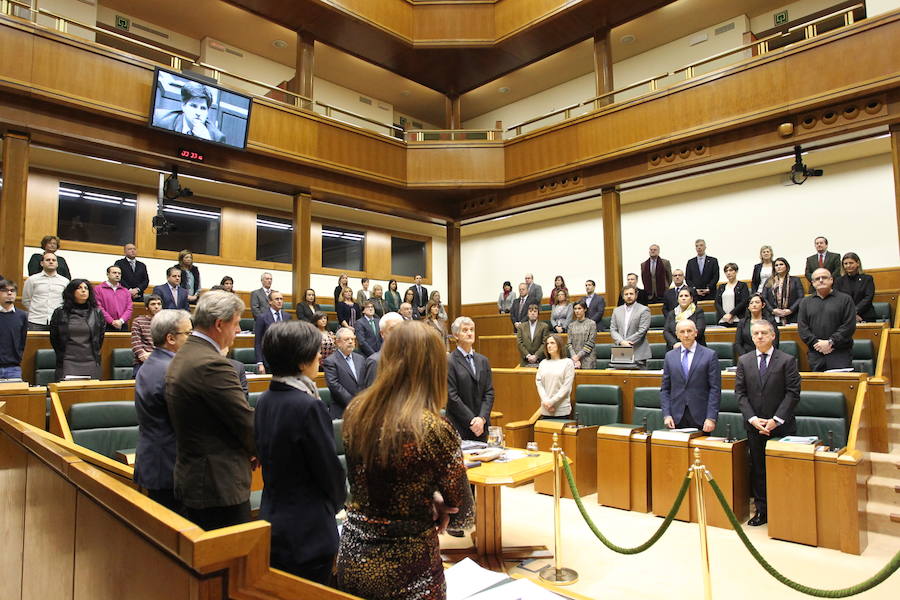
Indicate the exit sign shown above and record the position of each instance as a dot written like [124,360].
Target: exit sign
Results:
[781,17]
[123,22]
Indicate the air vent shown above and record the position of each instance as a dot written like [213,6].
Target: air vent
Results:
[725,28]
[155,32]
[234,52]
[365,100]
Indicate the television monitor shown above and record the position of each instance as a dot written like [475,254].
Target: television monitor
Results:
[195,109]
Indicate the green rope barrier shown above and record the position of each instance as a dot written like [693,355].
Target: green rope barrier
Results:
[868,584]
[621,549]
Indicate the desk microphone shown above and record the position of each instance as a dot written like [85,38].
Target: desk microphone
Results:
[645,424]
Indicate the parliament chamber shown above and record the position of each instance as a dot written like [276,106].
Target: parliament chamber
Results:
[468,142]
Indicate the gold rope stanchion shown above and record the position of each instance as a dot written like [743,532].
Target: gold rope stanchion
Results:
[554,573]
[698,471]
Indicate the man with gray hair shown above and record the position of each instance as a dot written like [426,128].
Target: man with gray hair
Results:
[213,422]
[385,324]
[345,372]
[470,387]
[259,298]
[406,311]
[155,456]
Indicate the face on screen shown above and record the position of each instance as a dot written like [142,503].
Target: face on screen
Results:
[195,110]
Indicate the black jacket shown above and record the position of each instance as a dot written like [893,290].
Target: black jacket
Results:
[59,332]
[196,272]
[862,295]
[699,320]
[741,299]
[137,278]
[34,265]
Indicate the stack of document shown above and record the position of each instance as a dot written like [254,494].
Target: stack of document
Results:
[800,439]
[468,580]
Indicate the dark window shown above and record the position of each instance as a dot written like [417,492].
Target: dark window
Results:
[90,214]
[343,248]
[274,239]
[196,228]
[407,257]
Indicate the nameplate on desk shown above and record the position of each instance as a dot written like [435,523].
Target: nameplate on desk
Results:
[674,435]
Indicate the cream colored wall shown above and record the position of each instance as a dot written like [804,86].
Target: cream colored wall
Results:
[347,99]
[251,66]
[877,7]
[83,12]
[735,220]
[171,38]
[796,10]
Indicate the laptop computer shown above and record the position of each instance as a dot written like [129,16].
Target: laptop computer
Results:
[621,357]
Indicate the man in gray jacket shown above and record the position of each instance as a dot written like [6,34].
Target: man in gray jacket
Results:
[630,324]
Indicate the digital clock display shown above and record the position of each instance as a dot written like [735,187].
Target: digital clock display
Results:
[191,155]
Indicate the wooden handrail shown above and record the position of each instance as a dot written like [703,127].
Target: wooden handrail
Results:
[545,116]
[725,53]
[268,86]
[855,419]
[19,4]
[416,135]
[818,20]
[329,107]
[882,351]
[627,87]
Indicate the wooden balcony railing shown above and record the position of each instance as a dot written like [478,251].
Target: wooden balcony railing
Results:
[453,135]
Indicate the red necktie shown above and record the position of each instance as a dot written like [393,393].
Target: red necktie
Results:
[821,261]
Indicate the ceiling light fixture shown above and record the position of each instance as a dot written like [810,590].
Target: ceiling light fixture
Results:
[281,44]
[503,90]
[627,39]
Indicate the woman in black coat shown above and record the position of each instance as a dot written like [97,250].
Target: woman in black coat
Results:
[348,311]
[77,329]
[857,285]
[783,293]
[49,243]
[731,297]
[686,309]
[305,485]
[190,275]
[756,310]
[307,309]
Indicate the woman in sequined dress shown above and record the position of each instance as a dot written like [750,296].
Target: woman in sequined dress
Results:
[406,474]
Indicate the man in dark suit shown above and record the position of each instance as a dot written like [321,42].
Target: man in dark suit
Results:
[596,304]
[171,292]
[345,372]
[154,463]
[213,423]
[134,273]
[273,314]
[518,311]
[385,324]
[530,339]
[767,388]
[367,331]
[420,298]
[259,298]
[822,259]
[670,299]
[535,292]
[702,272]
[641,295]
[656,273]
[692,383]
[470,387]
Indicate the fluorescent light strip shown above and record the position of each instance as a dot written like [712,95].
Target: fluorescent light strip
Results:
[274,225]
[179,210]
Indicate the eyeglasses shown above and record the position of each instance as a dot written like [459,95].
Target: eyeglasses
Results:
[821,278]
[188,332]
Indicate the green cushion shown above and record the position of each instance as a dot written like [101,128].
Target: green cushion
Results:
[725,363]
[44,376]
[253,398]
[646,404]
[789,346]
[710,317]
[104,427]
[332,326]
[658,350]
[288,306]
[655,364]
[722,349]
[730,414]
[657,321]
[729,402]
[605,321]
[107,441]
[546,307]
[603,350]
[245,355]
[646,397]
[601,363]
[325,395]
[326,307]
[122,357]
[882,311]
[598,404]
[45,359]
[123,372]
[248,324]
[863,349]
[821,412]
[864,366]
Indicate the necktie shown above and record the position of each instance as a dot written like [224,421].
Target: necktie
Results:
[277,315]
[762,365]
[821,261]
[372,323]
[471,360]
[350,364]
[685,367]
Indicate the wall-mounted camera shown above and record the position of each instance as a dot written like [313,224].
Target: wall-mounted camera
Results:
[169,189]
[799,171]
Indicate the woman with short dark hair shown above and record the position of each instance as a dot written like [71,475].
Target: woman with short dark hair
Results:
[731,297]
[307,309]
[77,329]
[858,285]
[304,481]
[49,243]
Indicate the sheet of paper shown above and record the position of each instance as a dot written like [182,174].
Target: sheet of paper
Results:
[518,589]
[467,577]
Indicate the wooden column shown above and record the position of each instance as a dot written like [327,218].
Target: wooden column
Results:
[302,244]
[612,243]
[452,113]
[12,206]
[895,153]
[603,66]
[302,83]
[454,270]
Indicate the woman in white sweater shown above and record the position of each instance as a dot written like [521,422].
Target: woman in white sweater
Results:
[554,379]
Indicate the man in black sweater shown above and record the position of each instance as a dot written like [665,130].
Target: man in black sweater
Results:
[826,323]
[13,329]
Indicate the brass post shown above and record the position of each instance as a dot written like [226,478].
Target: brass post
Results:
[697,473]
[554,573]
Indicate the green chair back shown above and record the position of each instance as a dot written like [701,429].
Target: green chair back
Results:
[598,404]
[104,427]
[646,404]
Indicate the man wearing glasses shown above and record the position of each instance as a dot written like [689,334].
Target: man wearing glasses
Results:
[826,322]
[13,329]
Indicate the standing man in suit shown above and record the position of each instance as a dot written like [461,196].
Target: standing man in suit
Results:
[692,383]
[530,339]
[259,298]
[535,292]
[273,314]
[470,387]
[767,388]
[171,292]
[154,463]
[822,259]
[367,331]
[670,299]
[420,298]
[656,273]
[596,304]
[345,372]
[826,323]
[632,279]
[134,273]
[702,272]
[629,326]
[214,443]
[387,322]
[518,311]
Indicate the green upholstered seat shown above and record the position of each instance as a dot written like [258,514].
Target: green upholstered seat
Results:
[122,363]
[605,321]
[710,316]
[44,366]
[546,308]
[253,398]
[730,414]
[326,307]
[646,404]
[657,321]
[332,326]
[658,350]
[863,357]
[821,412]
[288,306]
[790,347]
[246,356]
[104,427]
[325,395]
[722,349]
[603,351]
[248,324]
[601,363]
[598,404]
[655,364]
[882,311]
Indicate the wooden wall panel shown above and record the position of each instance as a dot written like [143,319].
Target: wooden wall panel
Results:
[467,166]
[278,129]
[41,208]
[367,155]
[13,475]
[449,22]
[13,202]
[17,55]
[378,255]
[396,16]
[48,557]
[238,234]
[511,15]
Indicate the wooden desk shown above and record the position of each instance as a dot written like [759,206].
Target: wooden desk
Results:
[27,404]
[670,454]
[791,491]
[487,479]
[623,467]
[727,462]
[580,446]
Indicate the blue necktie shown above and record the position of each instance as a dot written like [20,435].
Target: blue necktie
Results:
[685,367]
[471,359]
[350,365]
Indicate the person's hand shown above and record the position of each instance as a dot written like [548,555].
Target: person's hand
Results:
[440,512]
[516,325]
[200,130]
[823,346]
[144,356]
[626,343]
[577,362]
[770,425]
[192,298]
[859,319]
[477,425]
[760,425]
[531,358]
[669,422]
[548,406]
[254,463]
[261,369]
[708,425]
[134,292]
[728,318]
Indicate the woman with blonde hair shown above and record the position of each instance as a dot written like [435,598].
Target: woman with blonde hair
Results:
[404,466]
[762,270]
[348,311]
[343,281]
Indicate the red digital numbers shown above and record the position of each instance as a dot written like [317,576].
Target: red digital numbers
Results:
[190,155]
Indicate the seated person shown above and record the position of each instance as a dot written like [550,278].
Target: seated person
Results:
[670,298]
[731,297]
[857,285]
[756,311]
[192,119]
[632,279]
[686,309]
